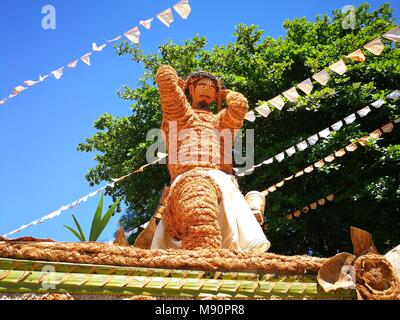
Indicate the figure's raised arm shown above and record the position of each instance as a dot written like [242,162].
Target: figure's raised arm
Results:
[233,116]
[173,100]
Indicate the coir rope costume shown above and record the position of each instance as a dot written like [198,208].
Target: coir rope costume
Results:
[199,144]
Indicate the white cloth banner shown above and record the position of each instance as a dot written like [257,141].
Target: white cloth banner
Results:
[364,111]
[279,157]
[393,35]
[292,95]
[18,90]
[250,116]
[183,8]
[306,86]
[31,82]
[394,95]
[133,35]
[339,67]
[73,64]
[336,126]
[41,79]
[115,39]
[375,46]
[264,110]
[313,139]
[324,133]
[58,73]
[350,119]
[377,104]
[291,151]
[302,145]
[322,77]
[98,49]
[277,102]
[146,23]
[166,17]
[86,58]
[269,161]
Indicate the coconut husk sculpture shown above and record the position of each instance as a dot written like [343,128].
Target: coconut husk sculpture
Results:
[372,275]
[205,208]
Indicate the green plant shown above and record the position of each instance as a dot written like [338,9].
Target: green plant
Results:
[99,221]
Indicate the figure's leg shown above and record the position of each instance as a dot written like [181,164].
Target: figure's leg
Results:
[194,212]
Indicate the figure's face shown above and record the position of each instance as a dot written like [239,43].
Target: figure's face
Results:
[204,91]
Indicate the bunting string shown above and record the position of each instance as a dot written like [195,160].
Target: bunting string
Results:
[324,134]
[312,206]
[166,17]
[387,128]
[52,215]
[322,77]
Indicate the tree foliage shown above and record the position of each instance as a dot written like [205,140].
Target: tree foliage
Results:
[366,182]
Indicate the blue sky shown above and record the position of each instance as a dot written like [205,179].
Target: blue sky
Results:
[40,168]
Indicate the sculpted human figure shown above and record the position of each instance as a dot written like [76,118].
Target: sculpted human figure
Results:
[205,207]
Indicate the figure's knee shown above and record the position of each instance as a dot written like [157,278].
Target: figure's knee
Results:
[194,211]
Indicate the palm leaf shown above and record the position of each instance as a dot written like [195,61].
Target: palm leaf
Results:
[94,230]
[107,217]
[79,228]
[74,232]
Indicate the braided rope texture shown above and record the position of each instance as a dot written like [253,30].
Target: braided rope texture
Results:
[202,144]
[204,260]
[192,211]
[376,278]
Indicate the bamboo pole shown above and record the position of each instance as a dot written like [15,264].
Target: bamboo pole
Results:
[20,281]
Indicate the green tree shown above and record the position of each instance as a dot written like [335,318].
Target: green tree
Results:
[365,182]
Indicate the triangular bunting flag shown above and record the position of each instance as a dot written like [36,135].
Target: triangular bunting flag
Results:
[350,119]
[58,73]
[277,102]
[363,112]
[375,46]
[41,79]
[264,110]
[269,161]
[291,94]
[73,64]
[146,23]
[18,90]
[357,55]
[279,157]
[96,48]
[115,39]
[166,17]
[339,67]
[291,151]
[302,145]
[250,116]
[393,35]
[183,8]
[336,126]
[394,95]
[313,139]
[31,82]
[133,35]
[322,77]
[306,86]
[377,104]
[324,133]
[86,58]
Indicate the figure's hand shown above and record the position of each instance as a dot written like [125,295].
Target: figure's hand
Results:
[181,84]
[224,93]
